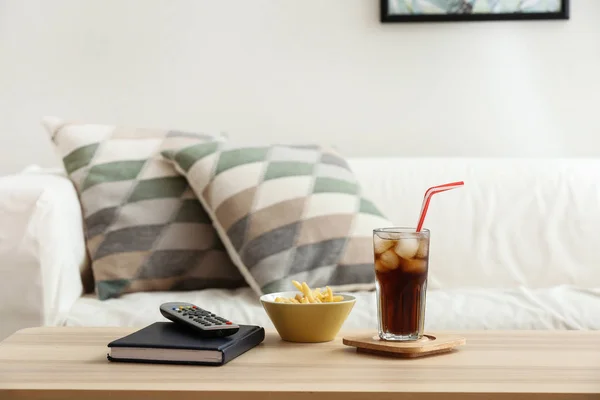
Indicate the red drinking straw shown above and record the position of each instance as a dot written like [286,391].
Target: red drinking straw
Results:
[427,197]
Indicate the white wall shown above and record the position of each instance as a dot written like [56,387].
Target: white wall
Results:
[324,71]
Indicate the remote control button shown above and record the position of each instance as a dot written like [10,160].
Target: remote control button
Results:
[229,323]
[174,308]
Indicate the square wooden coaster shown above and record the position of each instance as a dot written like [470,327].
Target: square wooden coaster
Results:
[429,344]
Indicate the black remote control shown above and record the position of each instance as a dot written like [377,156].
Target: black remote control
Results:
[206,323]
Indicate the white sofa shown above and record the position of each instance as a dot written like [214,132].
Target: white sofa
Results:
[518,247]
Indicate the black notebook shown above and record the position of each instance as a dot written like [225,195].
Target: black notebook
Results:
[169,343]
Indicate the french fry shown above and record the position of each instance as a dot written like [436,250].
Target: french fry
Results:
[307,292]
[310,296]
[329,294]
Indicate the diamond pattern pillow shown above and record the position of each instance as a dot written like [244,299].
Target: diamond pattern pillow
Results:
[286,212]
[145,228]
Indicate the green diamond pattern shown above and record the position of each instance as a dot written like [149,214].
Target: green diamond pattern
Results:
[172,186]
[280,169]
[332,185]
[232,158]
[368,207]
[80,157]
[188,156]
[112,172]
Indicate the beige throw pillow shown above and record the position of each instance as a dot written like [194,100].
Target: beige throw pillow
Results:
[285,212]
[145,228]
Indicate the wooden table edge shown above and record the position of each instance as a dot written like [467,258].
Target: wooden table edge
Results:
[170,394]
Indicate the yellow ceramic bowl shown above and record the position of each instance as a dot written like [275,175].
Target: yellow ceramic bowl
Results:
[307,323]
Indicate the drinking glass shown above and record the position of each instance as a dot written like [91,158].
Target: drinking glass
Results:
[401,266]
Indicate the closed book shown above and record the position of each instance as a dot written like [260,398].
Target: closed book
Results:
[170,343]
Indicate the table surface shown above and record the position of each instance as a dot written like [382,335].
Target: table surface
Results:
[70,362]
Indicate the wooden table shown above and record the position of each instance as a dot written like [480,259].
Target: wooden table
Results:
[70,363]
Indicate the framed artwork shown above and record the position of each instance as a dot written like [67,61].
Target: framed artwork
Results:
[472,10]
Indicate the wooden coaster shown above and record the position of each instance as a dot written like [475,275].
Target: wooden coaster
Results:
[429,344]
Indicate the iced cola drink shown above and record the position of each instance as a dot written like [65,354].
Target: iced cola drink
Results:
[401,264]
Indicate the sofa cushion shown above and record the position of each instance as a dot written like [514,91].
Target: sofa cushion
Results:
[285,212]
[558,307]
[145,229]
[529,222]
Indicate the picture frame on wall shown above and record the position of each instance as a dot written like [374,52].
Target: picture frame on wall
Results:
[472,10]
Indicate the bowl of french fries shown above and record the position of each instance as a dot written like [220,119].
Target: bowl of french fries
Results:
[308,315]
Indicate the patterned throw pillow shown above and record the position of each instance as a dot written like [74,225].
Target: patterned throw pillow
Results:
[145,228]
[286,212]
